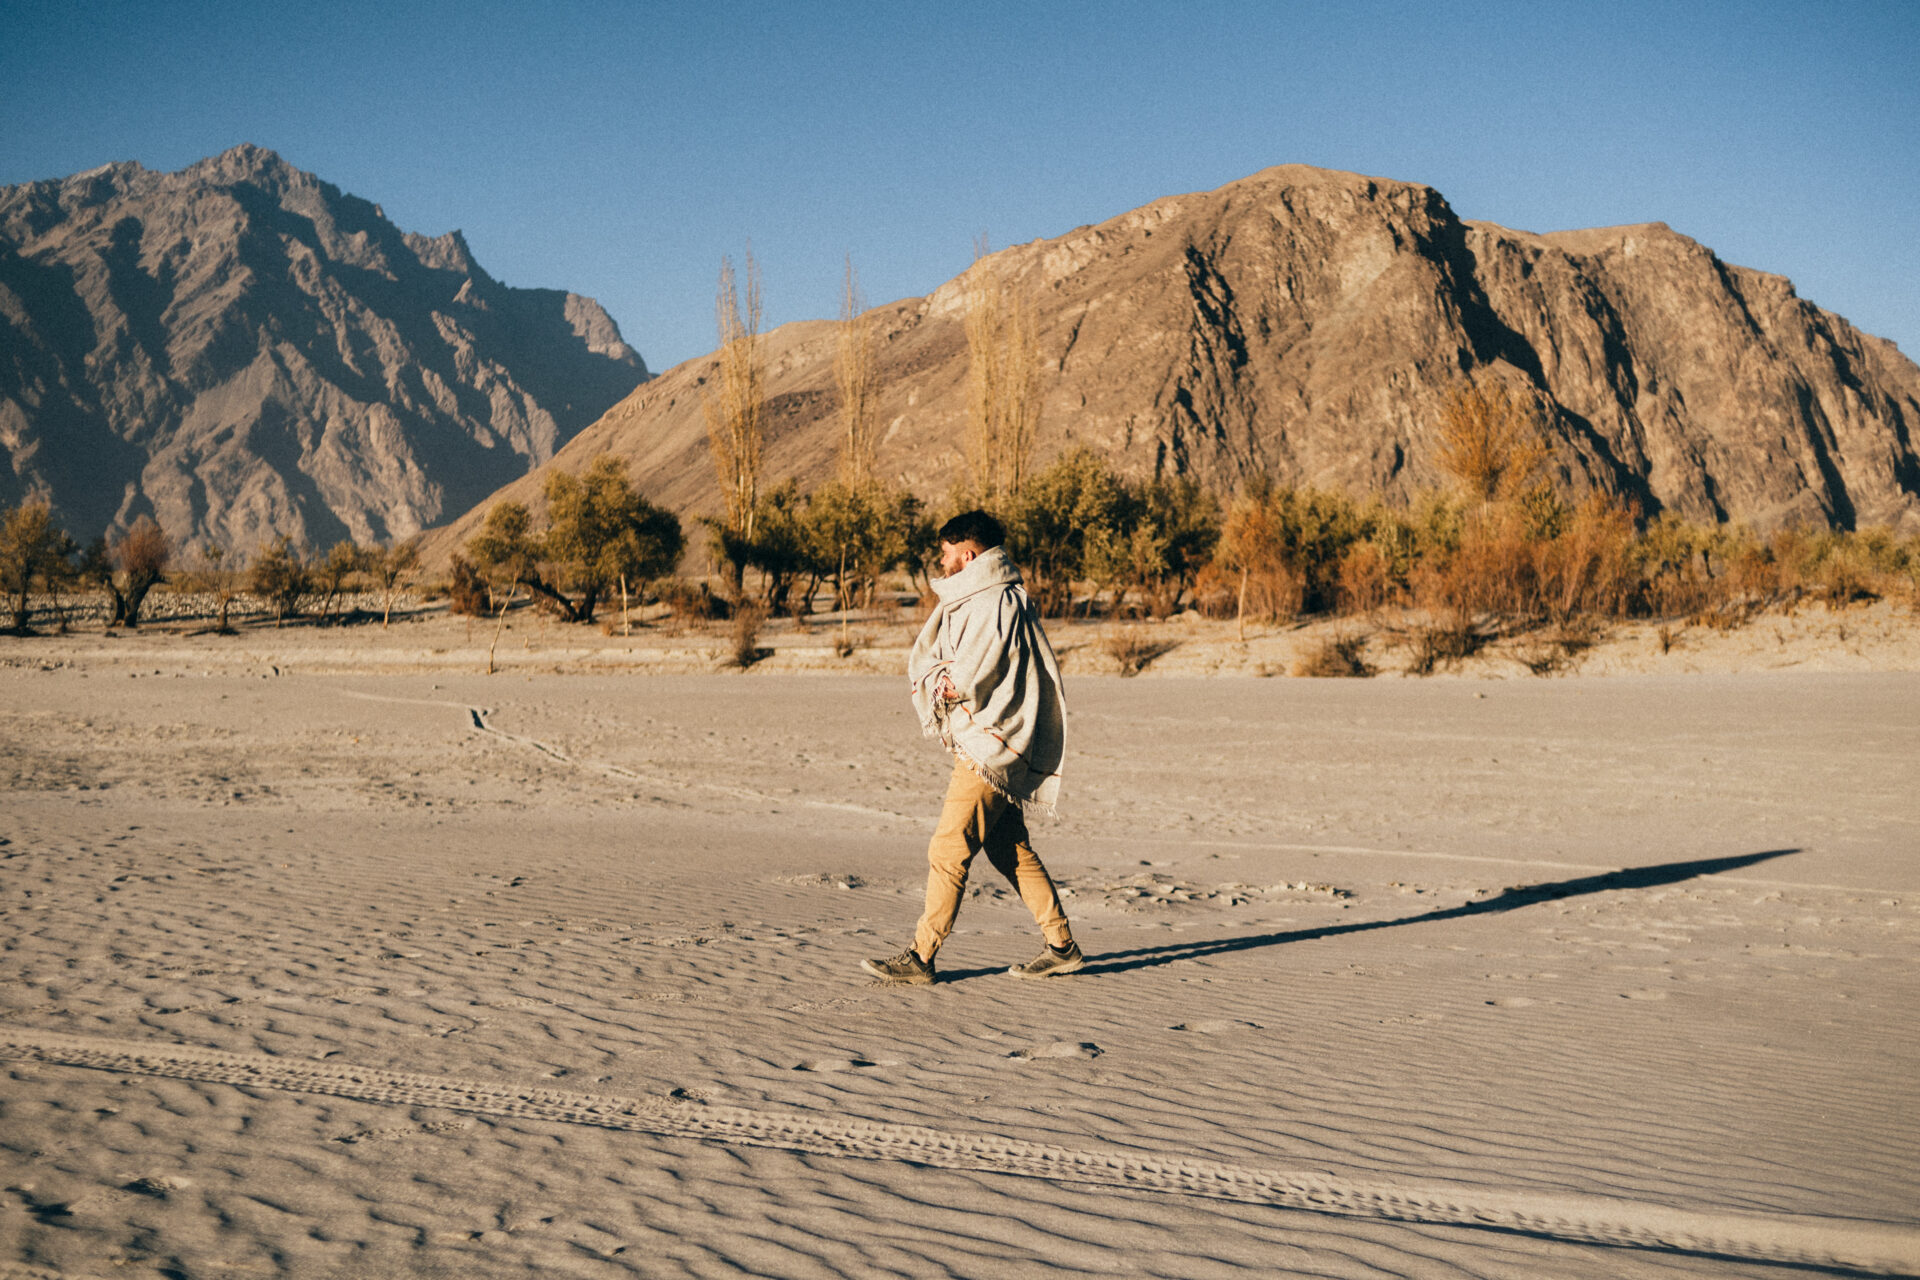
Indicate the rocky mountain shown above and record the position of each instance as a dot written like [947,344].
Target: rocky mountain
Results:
[241,350]
[1309,323]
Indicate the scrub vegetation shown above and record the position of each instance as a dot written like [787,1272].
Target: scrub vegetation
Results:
[1499,555]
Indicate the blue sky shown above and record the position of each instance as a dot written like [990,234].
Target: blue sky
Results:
[619,149]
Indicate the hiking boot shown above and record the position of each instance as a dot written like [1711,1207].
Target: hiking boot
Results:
[907,967]
[1051,963]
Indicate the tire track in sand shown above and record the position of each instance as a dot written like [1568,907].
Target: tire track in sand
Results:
[1876,1248]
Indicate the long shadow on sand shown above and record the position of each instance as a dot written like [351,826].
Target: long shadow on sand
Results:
[1508,900]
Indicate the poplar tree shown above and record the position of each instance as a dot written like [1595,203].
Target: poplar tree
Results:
[857,377]
[1003,381]
[735,408]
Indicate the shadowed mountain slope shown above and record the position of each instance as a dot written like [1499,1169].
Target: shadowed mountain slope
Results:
[242,350]
[1309,323]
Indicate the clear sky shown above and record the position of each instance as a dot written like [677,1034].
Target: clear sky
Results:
[620,149]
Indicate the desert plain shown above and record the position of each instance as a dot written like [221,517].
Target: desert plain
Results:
[326,954]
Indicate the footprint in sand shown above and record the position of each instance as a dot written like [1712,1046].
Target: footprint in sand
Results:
[1216,1026]
[836,880]
[838,1064]
[1059,1049]
[1647,994]
[158,1187]
[1511,1002]
[401,1133]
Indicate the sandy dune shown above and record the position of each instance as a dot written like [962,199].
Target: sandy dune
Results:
[370,974]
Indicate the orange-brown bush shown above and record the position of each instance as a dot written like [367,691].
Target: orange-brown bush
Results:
[1271,593]
[1283,547]
[139,558]
[1512,563]
[1752,573]
[1490,442]
[1366,579]
[467,591]
[1725,576]
[1588,569]
[1493,571]
[1846,571]
[690,600]
[748,616]
[1674,568]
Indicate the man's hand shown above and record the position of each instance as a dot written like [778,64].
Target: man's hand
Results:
[943,688]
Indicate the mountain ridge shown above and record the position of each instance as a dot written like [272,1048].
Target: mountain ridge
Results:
[242,350]
[1309,323]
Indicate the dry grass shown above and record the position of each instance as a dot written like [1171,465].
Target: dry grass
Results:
[1132,651]
[1336,657]
[1732,614]
[1444,641]
[1557,649]
[1586,570]
[748,617]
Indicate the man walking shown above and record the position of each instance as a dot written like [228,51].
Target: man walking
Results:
[986,684]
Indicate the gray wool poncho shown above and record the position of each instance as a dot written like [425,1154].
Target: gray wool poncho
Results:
[1010,719]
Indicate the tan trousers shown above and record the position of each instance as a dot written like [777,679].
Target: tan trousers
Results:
[977,817]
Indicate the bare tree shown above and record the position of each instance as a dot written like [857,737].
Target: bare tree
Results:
[1003,380]
[1020,413]
[855,372]
[983,327]
[218,574]
[736,408]
[140,558]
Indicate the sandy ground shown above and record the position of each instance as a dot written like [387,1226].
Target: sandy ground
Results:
[334,957]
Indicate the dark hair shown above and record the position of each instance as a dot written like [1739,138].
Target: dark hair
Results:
[974,526]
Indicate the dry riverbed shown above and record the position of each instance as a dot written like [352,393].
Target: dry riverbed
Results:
[324,954]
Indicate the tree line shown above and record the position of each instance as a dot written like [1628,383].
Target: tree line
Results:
[1498,548]
[38,557]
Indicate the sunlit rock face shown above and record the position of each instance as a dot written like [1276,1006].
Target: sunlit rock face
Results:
[242,350]
[1309,324]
